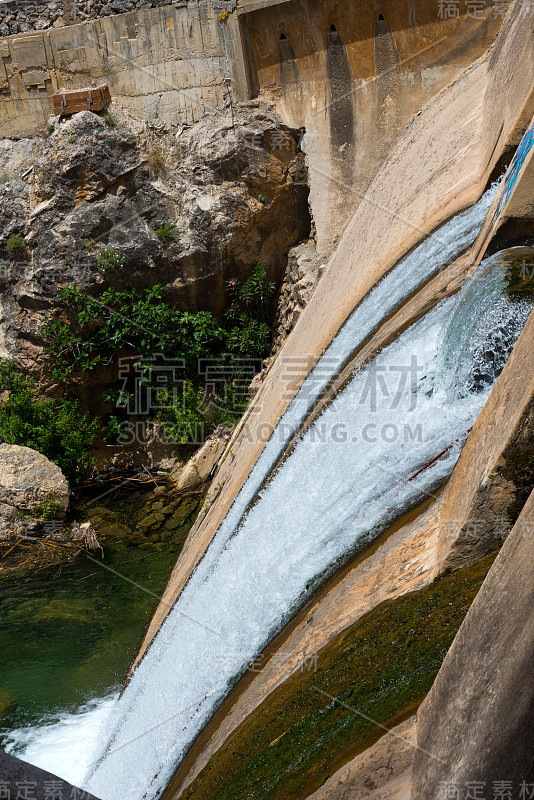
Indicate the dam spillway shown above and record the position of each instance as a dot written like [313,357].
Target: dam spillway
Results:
[356,470]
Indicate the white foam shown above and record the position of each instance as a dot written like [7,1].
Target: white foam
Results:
[65,745]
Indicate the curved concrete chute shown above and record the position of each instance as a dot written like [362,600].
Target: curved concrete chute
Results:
[449,145]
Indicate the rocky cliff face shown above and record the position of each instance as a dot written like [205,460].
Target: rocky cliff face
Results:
[234,186]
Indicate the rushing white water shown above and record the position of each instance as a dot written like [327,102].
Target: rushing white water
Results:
[65,745]
[349,476]
[436,252]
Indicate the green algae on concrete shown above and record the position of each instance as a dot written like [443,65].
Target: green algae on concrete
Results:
[379,669]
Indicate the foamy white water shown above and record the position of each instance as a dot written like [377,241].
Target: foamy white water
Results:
[68,744]
[417,267]
[347,478]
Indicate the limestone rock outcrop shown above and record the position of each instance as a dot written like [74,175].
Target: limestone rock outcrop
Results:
[304,268]
[203,463]
[234,185]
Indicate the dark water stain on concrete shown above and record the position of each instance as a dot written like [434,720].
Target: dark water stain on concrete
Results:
[341,110]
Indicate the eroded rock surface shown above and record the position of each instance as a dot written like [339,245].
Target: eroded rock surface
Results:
[234,185]
[304,268]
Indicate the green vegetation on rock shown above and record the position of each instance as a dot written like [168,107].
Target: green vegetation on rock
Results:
[56,428]
[109,258]
[156,336]
[166,232]
[379,669]
[15,243]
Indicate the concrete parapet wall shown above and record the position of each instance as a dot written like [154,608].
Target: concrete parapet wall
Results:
[353,89]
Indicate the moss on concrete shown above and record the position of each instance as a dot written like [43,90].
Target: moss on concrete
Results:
[379,669]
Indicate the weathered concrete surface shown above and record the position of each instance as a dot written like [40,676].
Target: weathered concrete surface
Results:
[454,142]
[356,87]
[23,780]
[382,772]
[494,472]
[478,719]
[402,562]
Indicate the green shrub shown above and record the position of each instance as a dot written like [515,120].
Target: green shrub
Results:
[108,258]
[15,242]
[249,315]
[166,232]
[56,428]
[4,177]
[135,321]
[186,421]
[141,325]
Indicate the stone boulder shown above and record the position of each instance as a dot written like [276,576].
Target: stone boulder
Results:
[234,185]
[28,482]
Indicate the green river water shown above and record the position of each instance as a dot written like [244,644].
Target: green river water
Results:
[69,637]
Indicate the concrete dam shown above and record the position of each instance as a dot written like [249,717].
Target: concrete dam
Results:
[348,616]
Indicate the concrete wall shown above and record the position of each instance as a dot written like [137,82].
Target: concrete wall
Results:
[477,722]
[356,87]
[166,65]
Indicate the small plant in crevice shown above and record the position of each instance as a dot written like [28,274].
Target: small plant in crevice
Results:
[166,232]
[50,508]
[109,120]
[15,243]
[44,130]
[155,158]
[4,177]
[108,258]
